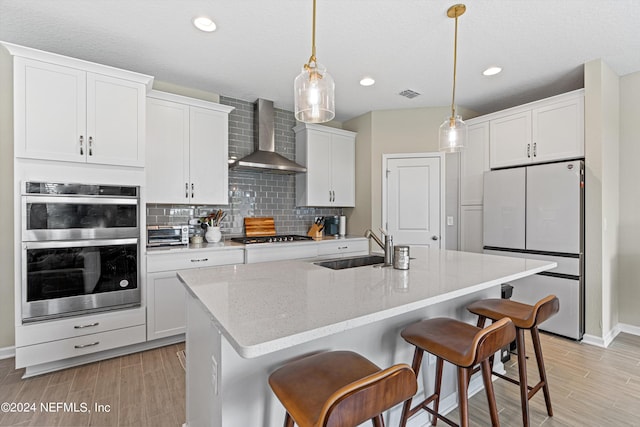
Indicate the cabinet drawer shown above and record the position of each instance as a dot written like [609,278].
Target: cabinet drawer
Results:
[343,247]
[182,260]
[78,346]
[71,327]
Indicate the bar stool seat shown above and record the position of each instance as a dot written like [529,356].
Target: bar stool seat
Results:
[339,389]
[524,317]
[464,346]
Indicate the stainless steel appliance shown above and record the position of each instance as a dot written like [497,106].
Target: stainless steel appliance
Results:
[538,212]
[80,249]
[270,239]
[167,235]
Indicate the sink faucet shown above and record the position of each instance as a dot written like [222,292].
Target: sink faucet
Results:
[387,247]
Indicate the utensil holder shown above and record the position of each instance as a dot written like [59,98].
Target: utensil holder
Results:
[213,235]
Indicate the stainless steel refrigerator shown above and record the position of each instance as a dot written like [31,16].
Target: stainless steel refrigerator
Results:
[537,212]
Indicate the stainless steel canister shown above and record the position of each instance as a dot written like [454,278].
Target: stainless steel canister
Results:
[401,257]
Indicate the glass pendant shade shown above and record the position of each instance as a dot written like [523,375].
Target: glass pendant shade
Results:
[453,134]
[314,94]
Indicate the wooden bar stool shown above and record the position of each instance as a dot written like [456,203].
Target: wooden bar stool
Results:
[463,345]
[524,317]
[339,389]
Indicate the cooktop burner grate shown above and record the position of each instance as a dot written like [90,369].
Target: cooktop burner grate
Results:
[270,239]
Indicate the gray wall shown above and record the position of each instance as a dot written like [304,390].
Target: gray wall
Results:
[251,193]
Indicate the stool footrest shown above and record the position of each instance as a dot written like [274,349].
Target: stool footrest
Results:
[422,405]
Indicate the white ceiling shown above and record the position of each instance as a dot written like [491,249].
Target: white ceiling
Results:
[261,45]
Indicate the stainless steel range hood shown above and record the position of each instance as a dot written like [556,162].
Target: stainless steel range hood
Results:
[264,158]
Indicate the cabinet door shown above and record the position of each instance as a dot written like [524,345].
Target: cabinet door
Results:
[115,121]
[558,131]
[50,113]
[471,228]
[510,140]
[208,156]
[318,169]
[474,161]
[343,160]
[166,300]
[167,165]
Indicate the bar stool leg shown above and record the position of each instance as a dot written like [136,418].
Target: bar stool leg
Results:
[415,365]
[378,421]
[535,337]
[437,389]
[463,403]
[522,373]
[488,388]
[288,421]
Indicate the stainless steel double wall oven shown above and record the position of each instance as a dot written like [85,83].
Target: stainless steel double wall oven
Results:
[80,249]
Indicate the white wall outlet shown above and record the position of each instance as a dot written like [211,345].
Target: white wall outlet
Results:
[214,375]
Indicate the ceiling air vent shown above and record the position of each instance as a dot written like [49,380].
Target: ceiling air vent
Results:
[408,93]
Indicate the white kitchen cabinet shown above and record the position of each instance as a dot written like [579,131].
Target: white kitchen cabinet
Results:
[471,228]
[69,113]
[474,162]
[329,156]
[166,296]
[55,340]
[543,131]
[187,150]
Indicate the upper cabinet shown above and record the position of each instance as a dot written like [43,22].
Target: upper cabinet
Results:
[474,161]
[72,110]
[329,156]
[547,130]
[187,150]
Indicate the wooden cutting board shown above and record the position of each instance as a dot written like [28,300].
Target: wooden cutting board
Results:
[262,226]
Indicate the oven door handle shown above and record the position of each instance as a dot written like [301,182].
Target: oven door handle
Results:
[78,243]
[75,200]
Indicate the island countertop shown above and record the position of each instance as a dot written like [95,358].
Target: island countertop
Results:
[264,307]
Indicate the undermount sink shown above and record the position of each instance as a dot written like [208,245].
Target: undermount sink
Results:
[342,263]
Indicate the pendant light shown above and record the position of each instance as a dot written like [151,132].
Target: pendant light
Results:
[453,131]
[314,88]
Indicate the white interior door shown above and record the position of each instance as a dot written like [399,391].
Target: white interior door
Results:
[413,200]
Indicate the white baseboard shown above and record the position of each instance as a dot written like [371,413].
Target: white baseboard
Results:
[611,335]
[7,352]
[629,329]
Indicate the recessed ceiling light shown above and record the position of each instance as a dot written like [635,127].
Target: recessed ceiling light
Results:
[204,24]
[491,71]
[367,81]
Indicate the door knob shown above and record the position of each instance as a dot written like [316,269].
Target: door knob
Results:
[434,237]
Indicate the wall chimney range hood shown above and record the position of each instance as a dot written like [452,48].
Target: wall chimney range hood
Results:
[264,158]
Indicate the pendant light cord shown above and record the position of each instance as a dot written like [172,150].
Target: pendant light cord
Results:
[312,58]
[455,57]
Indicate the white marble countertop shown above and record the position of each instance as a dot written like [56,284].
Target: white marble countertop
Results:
[265,307]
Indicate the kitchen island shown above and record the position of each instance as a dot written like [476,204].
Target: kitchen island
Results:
[243,321]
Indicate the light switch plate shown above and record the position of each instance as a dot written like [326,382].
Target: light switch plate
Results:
[449,220]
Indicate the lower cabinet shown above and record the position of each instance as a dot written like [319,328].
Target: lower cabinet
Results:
[166,296]
[471,228]
[55,340]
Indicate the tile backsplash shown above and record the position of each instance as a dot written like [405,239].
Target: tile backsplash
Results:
[251,193]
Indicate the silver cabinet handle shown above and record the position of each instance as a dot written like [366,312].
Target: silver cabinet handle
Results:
[87,345]
[81,145]
[192,192]
[529,150]
[343,247]
[200,260]
[86,326]
[329,195]
[91,146]
[535,151]
[186,190]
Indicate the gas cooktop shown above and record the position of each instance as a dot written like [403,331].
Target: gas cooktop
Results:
[270,239]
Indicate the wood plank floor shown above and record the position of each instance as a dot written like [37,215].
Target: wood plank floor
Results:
[142,389]
[590,386]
